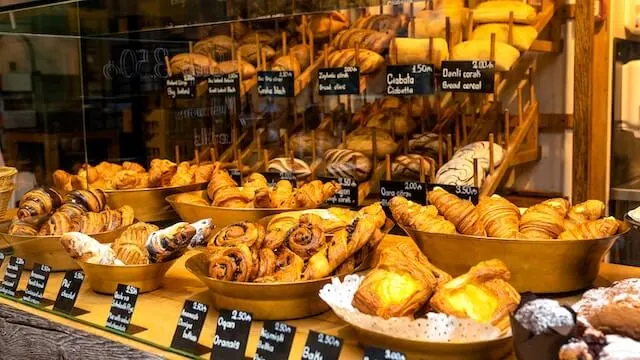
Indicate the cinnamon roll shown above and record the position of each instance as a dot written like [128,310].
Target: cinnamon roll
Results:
[264,263]
[246,233]
[40,201]
[289,268]
[306,239]
[232,264]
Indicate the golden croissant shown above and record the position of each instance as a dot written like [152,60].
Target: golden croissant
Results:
[460,212]
[544,220]
[589,210]
[500,217]
[596,229]
[418,217]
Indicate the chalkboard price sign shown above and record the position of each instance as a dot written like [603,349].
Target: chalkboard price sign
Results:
[232,333]
[122,306]
[190,325]
[275,341]
[12,276]
[224,84]
[465,192]
[274,177]
[276,83]
[412,190]
[373,353]
[322,346]
[68,293]
[236,175]
[37,283]
[348,194]
[407,80]
[339,81]
[468,76]
[181,86]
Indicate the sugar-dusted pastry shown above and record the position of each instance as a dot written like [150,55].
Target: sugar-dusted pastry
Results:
[314,193]
[289,267]
[544,220]
[306,239]
[249,53]
[416,51]
[409,166]
[161,171]
[498,11]
[295,166]
[85,248]
[369,61]
[169,243]
[193,64]
[323,25]
[427,144]
[246,233]
[361,140]
[522,35]
[39,201]
[500,217]
[219,180]
[505,54]
[589,210]
[214,47]
[402,281]
[462,213]
[345,163]
[231,264]
[418,217]
[482,294]
[596,229]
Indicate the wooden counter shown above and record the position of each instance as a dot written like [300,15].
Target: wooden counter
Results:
[156,315]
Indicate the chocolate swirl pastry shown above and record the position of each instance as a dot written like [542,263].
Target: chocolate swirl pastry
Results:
[344,163]
[289,268]
[264,263]
[40,201]
[169,243]
[249,234]
[27,227]
[91,200]
[284,165]
[232,264]
[305,240]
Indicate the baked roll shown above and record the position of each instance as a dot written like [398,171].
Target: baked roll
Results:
[283,165]
[505,54]
[302,53]
[498,11]
[323,25]
[370,62]
[193,64]
[433,23]
[301,142]
[416,51]
[373,40]
[264,36]
[361,140]
[500,217]
[409,166]
[396,120]
[523,35]
[596,229]
[462,213]
[244,68]
[544,220]
[215,47]
[249,53]
[344,163]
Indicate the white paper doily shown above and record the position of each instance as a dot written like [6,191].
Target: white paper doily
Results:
[434,328]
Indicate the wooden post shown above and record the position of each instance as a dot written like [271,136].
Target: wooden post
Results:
[440,155]
[475,172]
[507,128]
[168,65]
[196,152]
[387,161]
[177,150]
[491,160]
[212,154]
[449,147]
[265,159]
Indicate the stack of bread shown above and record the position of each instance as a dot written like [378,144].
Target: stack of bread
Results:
[296,246]
[44,212]
[497,217]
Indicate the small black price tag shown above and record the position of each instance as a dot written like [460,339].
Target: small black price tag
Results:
[232,333]
[12,276]
[37,283]
[339,81]
[276,83]
[181,86]
[68,293]
[373,353]
[468,76]
[190,325]
[407,80]
[275,341]
[465,192]
[412,190]
[236,175]
[273,178]
[348,194]
[122,306]
[321,346]
[224,84]
[1,258]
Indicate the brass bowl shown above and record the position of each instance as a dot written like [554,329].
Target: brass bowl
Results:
[221,216]
[266,301]
[539,266]
[149,205]
[47,250]
[105,278]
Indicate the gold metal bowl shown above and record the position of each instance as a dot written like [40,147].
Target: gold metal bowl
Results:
[540,266]
[47,250]
[149,205]
[221,216]
[105,278]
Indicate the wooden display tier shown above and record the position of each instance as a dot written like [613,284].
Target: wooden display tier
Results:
[155,318]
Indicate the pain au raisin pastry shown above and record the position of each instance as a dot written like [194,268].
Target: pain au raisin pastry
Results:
[500,217]
[250,234]
[418,217]
[402,281]
[544,220]
[368,61]
[37,202]
[483,294]
[231,264]
[289,267]
[307,237]
[462,213]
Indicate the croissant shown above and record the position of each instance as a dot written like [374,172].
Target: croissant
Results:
[589,210]
[58,224]
[161,172]
[169,243]
[231,264]
[500,217]
[418,217]
[283,196]
[72,210]
[344,244]
[107,170]
[482,294]
[126,179]
[112,219]
[219,180]
[203,173]
[250,234]
[183,175]
[255,182]
[91,200]
[40,201]
[314,193]
[87,249]
[264,263]
[460,212]
[91,223]
[289,268]
[544,220]
[264,199]
[62,180]
[186,198]
[305,239]
[233,197]
[27,227]
[596,229]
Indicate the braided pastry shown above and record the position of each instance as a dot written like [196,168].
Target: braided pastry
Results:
[246,233]
[500,217]
[40,201]
[460,212]
[231,264]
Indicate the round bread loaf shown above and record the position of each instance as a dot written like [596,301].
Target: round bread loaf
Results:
[343,163]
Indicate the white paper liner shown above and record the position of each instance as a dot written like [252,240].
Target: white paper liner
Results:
[434,328]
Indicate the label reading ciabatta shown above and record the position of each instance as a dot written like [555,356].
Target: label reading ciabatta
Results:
[468,76]
[275,341]
[37,284]
[224,84]
[181,86]
[276,83]
[374,353]
[464,192]
[412,190]
[339,81]
[68,294]
[410,80]
[232,333]
[321,346]
[189,325]
[122,306]
[12,276]
[348,194]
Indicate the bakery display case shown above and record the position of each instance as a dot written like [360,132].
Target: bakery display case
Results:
[279,179]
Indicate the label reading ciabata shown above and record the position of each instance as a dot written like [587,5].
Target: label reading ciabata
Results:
[68,293]
[37,284]
[339,81]
[276,83]
[181,86]
[468,76]
[410,80]
[190,325]
[232,334]
[373,353]
[321,346]
[275,341]
[122,306]
[12,276]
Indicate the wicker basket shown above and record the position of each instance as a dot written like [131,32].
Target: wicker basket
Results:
[7,183]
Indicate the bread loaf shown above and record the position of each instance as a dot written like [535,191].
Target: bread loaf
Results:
[264,36]
[392,119]
[433,23]
[344,163]
[427,144]
[216,47]
[249,53]
[361,140]
[416,51]
[391,24]
[301,142]
[498,11]
[370,62]
[302,53]
[323,25]
[283,165]
[227,67]
[523,35]
[194,64]
[408,166]
[505,54]
[287,63]
[373,40]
